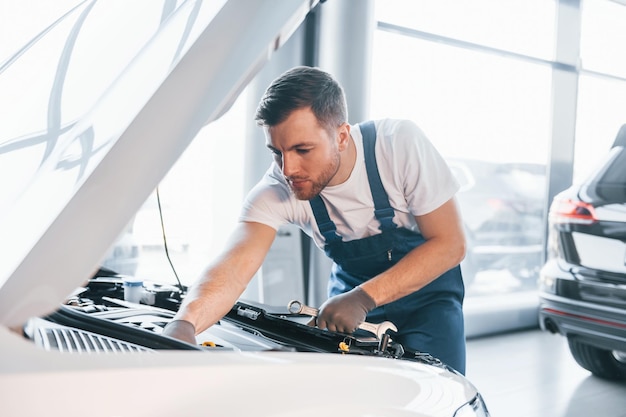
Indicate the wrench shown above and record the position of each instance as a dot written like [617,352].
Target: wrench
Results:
[379,329]
[296,307]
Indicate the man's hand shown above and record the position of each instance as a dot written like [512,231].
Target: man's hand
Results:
[345,312]
[182,330]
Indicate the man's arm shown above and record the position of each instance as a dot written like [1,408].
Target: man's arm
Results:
[223,281]
[444,249]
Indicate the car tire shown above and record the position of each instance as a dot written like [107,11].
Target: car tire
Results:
[600,362]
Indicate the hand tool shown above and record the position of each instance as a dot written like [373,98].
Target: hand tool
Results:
[379,329]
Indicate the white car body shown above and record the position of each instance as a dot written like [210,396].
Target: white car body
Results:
[54,232]
[37,382]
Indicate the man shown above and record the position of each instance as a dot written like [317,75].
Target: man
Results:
[377,197]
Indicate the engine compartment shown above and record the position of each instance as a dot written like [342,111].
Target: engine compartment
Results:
[97,319]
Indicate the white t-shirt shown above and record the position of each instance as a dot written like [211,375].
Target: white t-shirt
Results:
[415,176]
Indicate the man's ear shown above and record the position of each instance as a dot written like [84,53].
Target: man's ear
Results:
[343,136]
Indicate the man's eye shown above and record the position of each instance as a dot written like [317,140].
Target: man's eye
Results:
[303,151]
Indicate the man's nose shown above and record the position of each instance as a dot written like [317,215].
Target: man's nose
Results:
[290,165]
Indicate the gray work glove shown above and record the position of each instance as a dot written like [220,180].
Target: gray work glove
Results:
[345,312]
[181,330]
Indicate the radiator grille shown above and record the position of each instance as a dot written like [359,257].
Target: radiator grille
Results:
[70,340]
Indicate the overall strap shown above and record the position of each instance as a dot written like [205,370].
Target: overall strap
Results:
[383,211]
[326,225]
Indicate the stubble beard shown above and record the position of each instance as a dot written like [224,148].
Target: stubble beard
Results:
[320,183]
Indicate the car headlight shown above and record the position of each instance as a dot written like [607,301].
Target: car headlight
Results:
[475,408]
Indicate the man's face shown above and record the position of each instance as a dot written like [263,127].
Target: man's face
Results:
[307,154]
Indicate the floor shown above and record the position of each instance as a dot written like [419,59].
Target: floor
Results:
[531,373]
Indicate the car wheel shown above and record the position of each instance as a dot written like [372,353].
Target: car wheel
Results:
[602,363]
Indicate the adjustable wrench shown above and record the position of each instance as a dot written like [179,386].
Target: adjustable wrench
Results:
[379,329]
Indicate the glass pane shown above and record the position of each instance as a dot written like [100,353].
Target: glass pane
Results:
[490,118]
[601,104]
[603,36]
[196,205]
[469,104]
[522,26]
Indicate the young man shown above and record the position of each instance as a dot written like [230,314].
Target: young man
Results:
[377,197]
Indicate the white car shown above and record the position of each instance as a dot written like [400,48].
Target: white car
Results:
[78,137]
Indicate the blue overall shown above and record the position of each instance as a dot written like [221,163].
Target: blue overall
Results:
[428,320]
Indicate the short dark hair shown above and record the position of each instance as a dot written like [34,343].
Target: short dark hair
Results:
[302,87]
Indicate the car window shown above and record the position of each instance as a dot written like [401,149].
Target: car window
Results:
[611,184]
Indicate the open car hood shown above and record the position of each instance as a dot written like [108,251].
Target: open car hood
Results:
[122,102]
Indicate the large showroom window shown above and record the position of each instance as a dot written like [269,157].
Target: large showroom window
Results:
[198,200]
[478,77]
[484,101]
[602,83]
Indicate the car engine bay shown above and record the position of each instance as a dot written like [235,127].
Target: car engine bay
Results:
[97,319]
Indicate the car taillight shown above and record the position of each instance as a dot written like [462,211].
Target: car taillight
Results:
[572,211]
